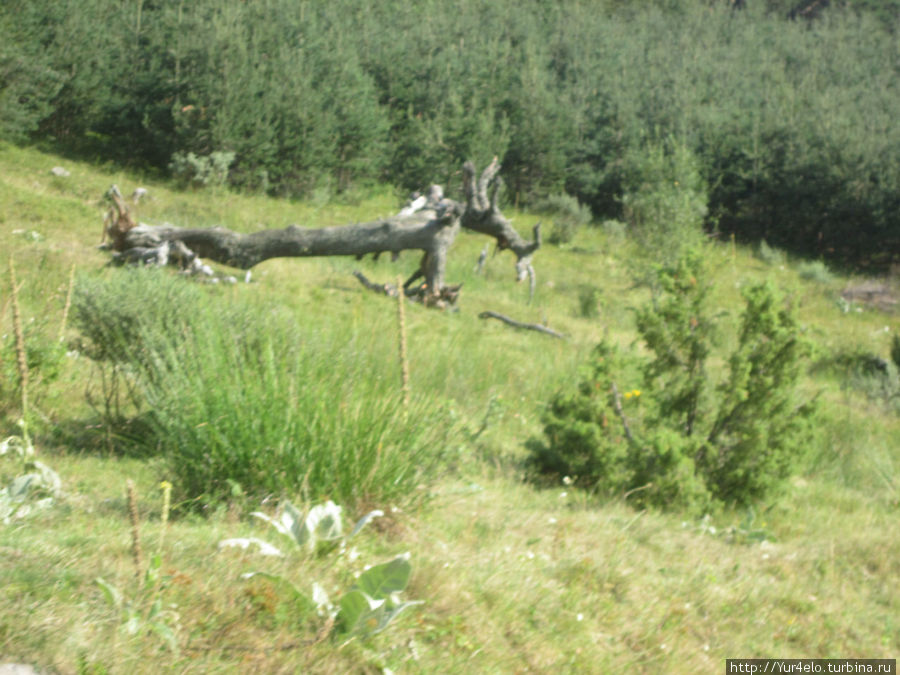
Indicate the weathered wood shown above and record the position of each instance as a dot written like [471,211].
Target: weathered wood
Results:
[482,215]
[448,295]
[518,324]
[381,289]
[118,221]
[428,223]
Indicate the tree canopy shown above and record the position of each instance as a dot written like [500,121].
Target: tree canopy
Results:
[792,121]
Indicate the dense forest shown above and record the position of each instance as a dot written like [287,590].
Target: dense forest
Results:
[779,117]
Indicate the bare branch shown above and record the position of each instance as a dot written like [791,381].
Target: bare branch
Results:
[518,324]
[495,192]
[487,176]
[470,188]
[383,289]
[617,404]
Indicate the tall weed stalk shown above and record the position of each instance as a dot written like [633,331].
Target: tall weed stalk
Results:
[401,331]
[21,357]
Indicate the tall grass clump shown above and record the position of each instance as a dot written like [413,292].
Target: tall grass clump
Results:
[278,411]
[248,398]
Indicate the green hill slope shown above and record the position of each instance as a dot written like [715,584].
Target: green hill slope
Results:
[513,578]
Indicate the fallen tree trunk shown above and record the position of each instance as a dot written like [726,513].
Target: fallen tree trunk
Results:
[428,224]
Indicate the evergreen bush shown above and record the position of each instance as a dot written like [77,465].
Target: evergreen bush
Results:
[664,198]
[658,430]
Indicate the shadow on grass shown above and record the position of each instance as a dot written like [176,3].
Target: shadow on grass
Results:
[124,437]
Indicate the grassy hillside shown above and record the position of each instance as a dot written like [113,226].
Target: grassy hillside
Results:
[513,578]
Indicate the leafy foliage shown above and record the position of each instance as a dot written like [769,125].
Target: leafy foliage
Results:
[371,603]
[322,524]
[211,171]
[29,486]
[676,439]
[664,198]
[28,83]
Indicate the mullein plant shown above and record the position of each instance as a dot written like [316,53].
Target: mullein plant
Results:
[145,612]
[21,355]
[370,604]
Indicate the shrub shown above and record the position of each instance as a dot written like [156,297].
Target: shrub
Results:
[816,271]
[196,171]
[664,198]
[237,395]
[657,429]
[591,436]
[123,323]
[127,318]
[615,230]
[759,431]
[584,438]
[589,301]
[770,255]
[568,216]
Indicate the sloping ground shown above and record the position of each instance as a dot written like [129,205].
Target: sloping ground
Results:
[514,579]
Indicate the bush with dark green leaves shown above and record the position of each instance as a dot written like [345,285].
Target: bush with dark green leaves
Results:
[665,429]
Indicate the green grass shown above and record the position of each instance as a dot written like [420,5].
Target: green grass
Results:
[514,578]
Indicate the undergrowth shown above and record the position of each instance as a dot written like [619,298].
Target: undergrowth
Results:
[513,579]
[249,399]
